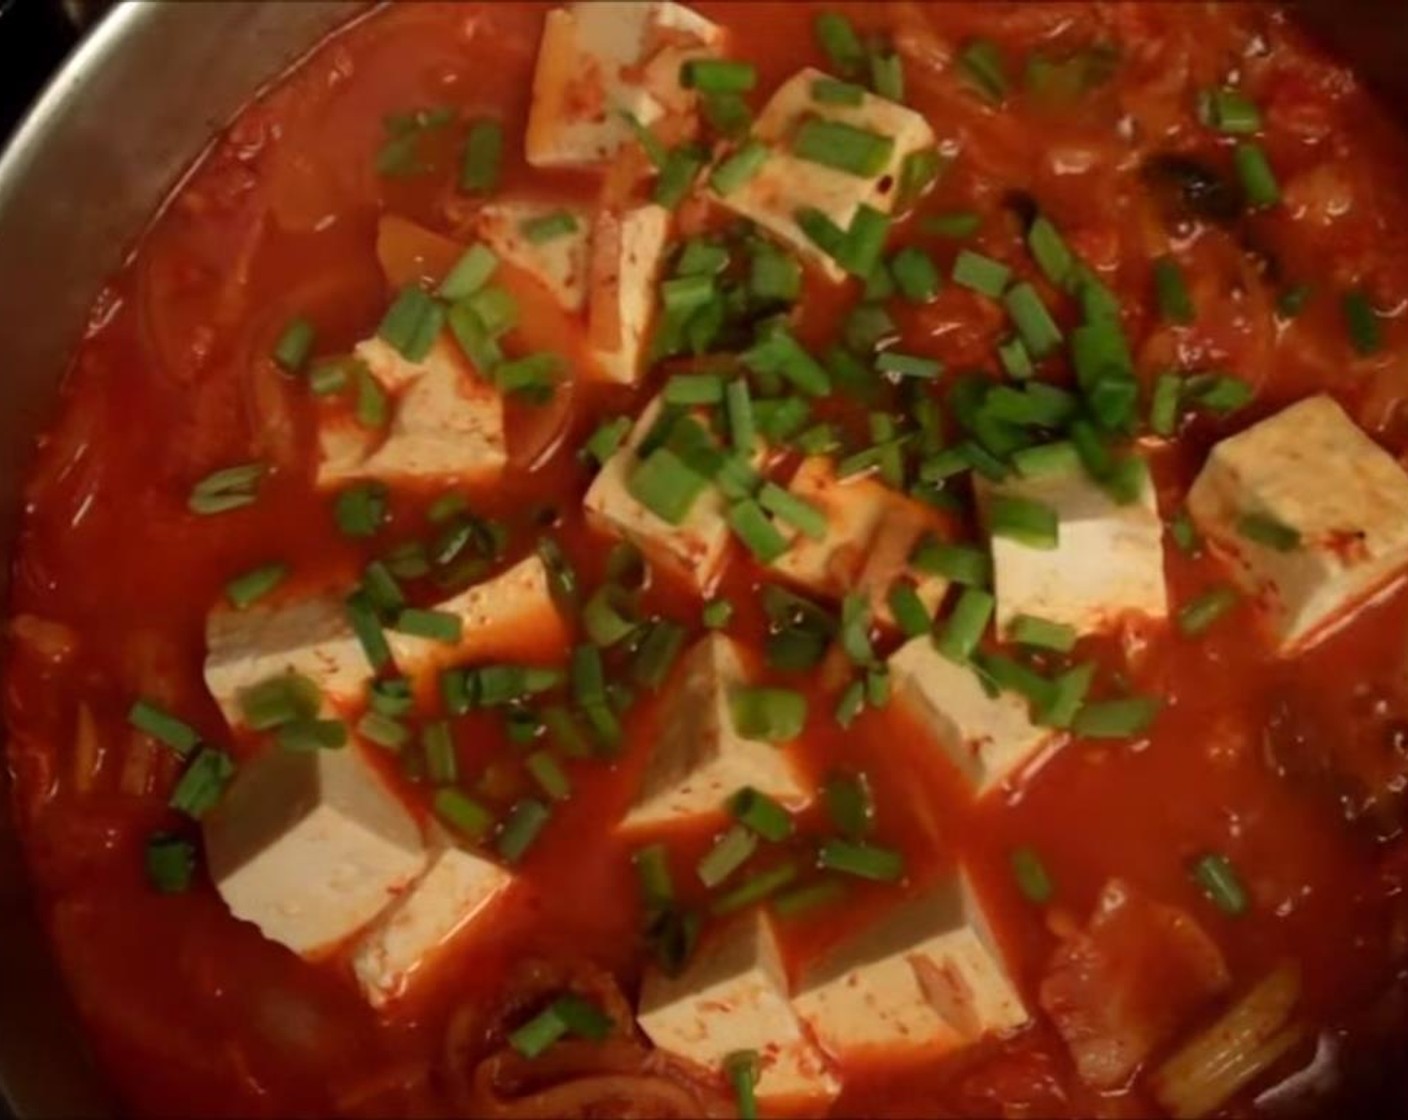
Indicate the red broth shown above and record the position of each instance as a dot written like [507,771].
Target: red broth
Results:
[1291,767]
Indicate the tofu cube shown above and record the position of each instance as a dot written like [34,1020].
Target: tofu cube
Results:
[559,263]
[928,978]
[447,424]
[311,845]
[627,252]
[457,890]
[594,64]
[733,996]
[988,738]
[871,531]
[310,637]
[694,550]
[786,183]
[511,617]
[698,760]
[1109,563]
[1310,469]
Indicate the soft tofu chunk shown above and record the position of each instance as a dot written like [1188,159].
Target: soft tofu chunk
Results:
[594,64]
[456,891]
[510,617]
[1311,469]
[447,423]
[928,977]
[733,996]
[627,252]
[871,531]
[310,846]
[1127,983]
[698,760]
[786,184]
[694,550]
[1109,563]
[559,263]
[988,738]
[310,637]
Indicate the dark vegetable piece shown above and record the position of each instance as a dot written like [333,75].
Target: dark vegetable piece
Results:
[1188,190]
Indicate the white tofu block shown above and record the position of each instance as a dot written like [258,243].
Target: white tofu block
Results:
[698,760]
[786,184]
[559,263]
[694,550]
[311,845]
[510,617]
[733,996]
[447,423]
[310,637]
[1109,563]
[988,738]
[592,66]
[1309,468]
[927,978]
[871,531]
[456,892]
[627,252]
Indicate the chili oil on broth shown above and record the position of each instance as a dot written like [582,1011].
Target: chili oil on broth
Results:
[192,1012]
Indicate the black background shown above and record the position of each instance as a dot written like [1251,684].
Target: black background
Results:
[34,37]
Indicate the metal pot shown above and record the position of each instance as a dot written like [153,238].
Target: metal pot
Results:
[134,105]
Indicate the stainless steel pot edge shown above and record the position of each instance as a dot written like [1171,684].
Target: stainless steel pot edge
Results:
[79,182]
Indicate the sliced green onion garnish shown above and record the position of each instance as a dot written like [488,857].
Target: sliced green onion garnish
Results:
[1262,529]
[779,353]
[470,273]
[311,735]
[751,525]
[1116,719]
[462,813]
[1184,535]
[294,345]
[227,489]
[1362,321]
[1163,408]
[908,609]
[760,813]
[958,563]
[963,629]
[608,615]
[887,75]
[687,389]
[652,865]
[982,64]
[605,441]
[865,861]
[549,775]
[730,852]
[1047,459]
[436,625]
[771,715]
[162,726]
[1217,392]
[851,704]
[981,273]
[525,822]
[243,591]
[549,227]
[383,731]
[1034,322]
[1232,112]
[821,231]
[657,653]
[483,157]
[839,42]
[957,224]
[735,171]
[864,245]
[1068,694]
[677,177]
[411,323]
[754,888]
[1041,633]
[855,629]
[1219,880]
[650,143]
[1050,251]
[1294,300]
[907,365]
[533,377]
[849,805]
[1258,179]
[743,1068]
[1197,615]
[1007,675]
[805,899]
[797,512]
[328,378]
[1028,522]
[438,744]
[1031,875]
[915,274]
[1175,304]
[666,486]
[918,172]
[494,307]
[204,781]
[843,147]
[281,699]
[718,75]
[170,863]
